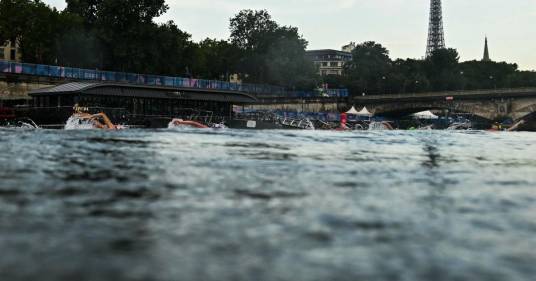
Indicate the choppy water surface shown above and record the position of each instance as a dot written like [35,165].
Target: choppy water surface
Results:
[262,205]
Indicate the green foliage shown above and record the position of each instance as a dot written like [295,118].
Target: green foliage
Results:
[36,43]
[372,72]
[33,26]
[76,46]
[127,35]
[252,30]
[442,70]
[270,53]
[13,16]
[121,35]
[369,68]
[215,59]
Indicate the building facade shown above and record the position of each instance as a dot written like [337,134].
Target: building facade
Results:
[10,52]
[329,62]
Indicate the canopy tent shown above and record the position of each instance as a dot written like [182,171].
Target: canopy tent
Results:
[425,115]
[364,112]
[352,111]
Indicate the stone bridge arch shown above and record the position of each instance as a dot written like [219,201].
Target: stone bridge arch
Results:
[523,109]
[483,109]
[493,104]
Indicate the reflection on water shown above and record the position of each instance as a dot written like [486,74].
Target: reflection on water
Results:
[272,205]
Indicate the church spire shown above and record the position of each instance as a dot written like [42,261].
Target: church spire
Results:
[486,51]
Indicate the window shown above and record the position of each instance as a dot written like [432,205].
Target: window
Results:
[333,64]
[13,54]
[2,56]
[324,64]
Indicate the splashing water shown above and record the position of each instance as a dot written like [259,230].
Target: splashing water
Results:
[172,125]
[377,126]
[75,123]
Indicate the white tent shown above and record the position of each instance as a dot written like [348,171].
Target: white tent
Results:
[352,111]
[364,112]
[425,115]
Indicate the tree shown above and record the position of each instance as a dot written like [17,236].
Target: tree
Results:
[33,26]
[13,19]
[443,70]
[215,59]
[270,53]
[170,49]
[76,45]
[125,30]
[252,30]
[38,41]
[488,75]
[408,76]
[285,61]
[369,69]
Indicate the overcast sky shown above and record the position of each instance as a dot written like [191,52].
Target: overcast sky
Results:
[400,25]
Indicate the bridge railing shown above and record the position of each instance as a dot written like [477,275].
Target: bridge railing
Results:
[133,78]
[72,73]
[454,94]
[323,93]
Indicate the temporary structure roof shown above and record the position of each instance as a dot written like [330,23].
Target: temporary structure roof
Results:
[352,111]
[425,115]
[144,91]
[364,112]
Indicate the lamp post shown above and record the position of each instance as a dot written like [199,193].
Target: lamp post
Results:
[383,85]
[493,81]
[463,80]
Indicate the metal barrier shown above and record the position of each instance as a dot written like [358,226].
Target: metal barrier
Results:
[320,93]
[132,78]
[156,80]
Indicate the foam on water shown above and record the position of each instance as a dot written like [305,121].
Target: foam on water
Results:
[377,126]
[75,123]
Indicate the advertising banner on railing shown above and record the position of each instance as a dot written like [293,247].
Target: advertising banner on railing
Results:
[154,80]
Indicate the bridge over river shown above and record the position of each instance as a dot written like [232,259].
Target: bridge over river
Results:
[492,104]
[18,79]
[495,104]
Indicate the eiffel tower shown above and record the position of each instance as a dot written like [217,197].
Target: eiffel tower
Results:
[436,36]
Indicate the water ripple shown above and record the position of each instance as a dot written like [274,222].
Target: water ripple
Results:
[267,205]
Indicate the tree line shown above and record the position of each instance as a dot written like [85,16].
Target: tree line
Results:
[372,71]
[122,35]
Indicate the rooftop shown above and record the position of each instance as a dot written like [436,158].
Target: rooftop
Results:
[144,91]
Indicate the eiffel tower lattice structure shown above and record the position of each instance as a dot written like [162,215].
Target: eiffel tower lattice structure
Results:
[436,35]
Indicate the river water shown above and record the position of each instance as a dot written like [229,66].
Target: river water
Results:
[267,205]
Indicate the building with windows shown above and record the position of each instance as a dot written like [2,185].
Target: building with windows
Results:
[329,62]
[10,52]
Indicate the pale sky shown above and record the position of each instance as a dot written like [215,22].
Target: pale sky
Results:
[400,25]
